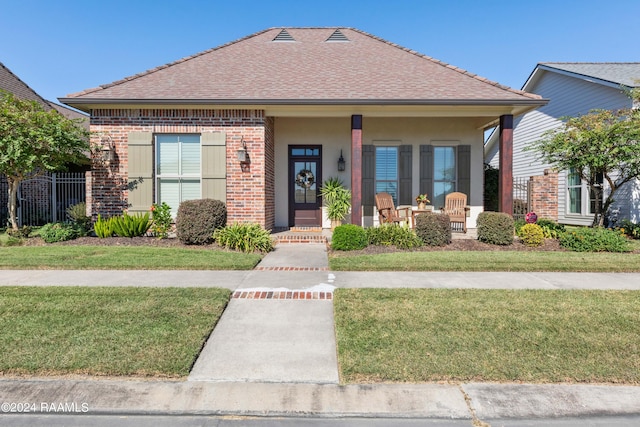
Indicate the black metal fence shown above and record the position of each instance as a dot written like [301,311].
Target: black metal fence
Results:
[44,199]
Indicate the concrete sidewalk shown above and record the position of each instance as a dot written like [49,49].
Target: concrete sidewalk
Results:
[273,352]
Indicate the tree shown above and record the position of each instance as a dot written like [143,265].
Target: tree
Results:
[602,143]
[34,141]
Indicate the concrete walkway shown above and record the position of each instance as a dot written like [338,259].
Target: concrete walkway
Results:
[273,352]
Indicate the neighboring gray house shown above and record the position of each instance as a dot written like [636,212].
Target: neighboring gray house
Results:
[573,89]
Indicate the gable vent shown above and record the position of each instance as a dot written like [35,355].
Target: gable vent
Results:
[284,36]
[337,36]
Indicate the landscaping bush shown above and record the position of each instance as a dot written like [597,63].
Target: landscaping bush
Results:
[78,214]
[433,229]
[630,229]
[594,240]
[550,228]
[103,227]
[161,220]
[60,232]
[496,228]
[244,237]
[349,237]
[518,224]
[531,235]
[20,233]
[197,220]
[131,225]
[393,235]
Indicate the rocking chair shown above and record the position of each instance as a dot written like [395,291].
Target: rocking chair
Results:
[387,212]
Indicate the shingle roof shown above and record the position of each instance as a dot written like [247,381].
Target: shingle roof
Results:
[12,83]
[622,73]
[362,68]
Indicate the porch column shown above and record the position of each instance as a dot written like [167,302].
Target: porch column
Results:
[356,169]
[505,182]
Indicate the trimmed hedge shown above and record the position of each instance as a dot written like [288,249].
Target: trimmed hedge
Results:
[349,237]
[433,229]
[496,228]
[197,220]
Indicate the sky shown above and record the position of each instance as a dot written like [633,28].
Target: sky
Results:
[66,46]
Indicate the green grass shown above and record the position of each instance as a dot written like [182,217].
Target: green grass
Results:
[105,331]
[485,335]
[123,258]
[487,261]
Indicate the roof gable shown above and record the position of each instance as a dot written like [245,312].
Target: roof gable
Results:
[614,74]
[310,66]
[12,83]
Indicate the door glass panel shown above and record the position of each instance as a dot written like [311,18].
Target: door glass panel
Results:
[305,182]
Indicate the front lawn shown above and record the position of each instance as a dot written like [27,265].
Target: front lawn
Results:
[499,260]
[105,331]
[418,335]
[123,258]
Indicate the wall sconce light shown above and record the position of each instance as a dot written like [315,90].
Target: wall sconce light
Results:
[107,152]
[243,156]
[341,163]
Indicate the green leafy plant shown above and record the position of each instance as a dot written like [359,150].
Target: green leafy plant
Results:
[550,228]
[78,214]
[197,220]
[103,227]
[131,225]
[20,233]
[531,235]
[433,229]
[336,198]
[629,229]
[244,237]
[496,228]
[596,239]
[393,235]
[60,232]
[349,237]
[518,224]
[160,220]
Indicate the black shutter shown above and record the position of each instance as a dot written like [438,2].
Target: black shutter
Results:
[405,171]
[368,179]
[426,170]
[464,170]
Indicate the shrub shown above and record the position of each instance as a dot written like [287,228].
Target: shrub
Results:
[60,232]
[349,237]
[20,233]
[630,229]
[391,234]
[531,235]
[244,237]
[197,220]
[550,228]
[496,228]
[518,224]
[103,227]
[433,229]
[594,240]
[161,220]
[78,214]
[131,225]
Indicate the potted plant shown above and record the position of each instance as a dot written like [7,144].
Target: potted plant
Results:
[422,200]
[337,200]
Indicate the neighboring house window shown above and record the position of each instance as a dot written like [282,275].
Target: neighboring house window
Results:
[444,174]
[387,171]
[581,199]
[177,169]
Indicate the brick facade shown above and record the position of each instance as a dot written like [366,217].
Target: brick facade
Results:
[543,194]
[249,190]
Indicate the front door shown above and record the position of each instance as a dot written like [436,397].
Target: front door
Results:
[305,178]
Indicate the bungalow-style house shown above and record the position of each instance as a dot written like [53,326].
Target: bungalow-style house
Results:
[573,89]
[260,122]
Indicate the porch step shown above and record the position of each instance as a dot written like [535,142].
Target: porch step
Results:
[301,235]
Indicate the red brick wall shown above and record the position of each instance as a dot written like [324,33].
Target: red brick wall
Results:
[249,192]
[544,195]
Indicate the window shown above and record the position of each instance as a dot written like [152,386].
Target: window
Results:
[387,171]
[177,169]
[444,174]
[578,191]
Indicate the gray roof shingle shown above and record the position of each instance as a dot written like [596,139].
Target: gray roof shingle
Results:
[622,73]
[363,68]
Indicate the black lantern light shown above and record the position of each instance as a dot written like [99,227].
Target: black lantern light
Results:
[341,163]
